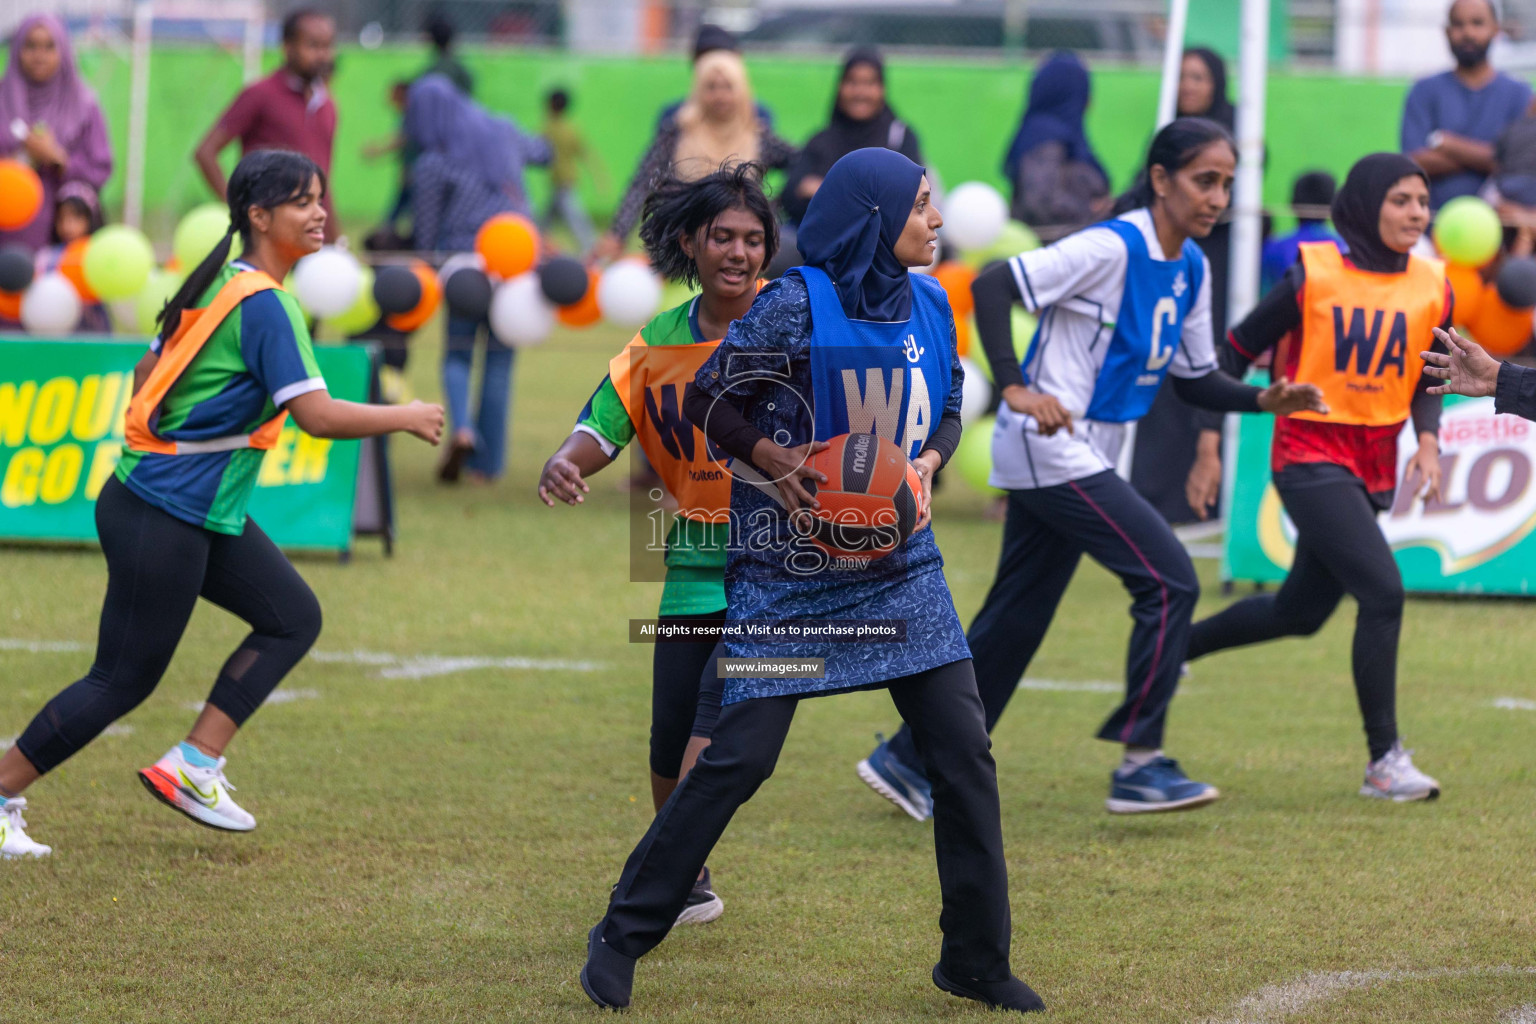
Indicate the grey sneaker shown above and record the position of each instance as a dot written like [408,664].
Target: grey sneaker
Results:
[703,905]
[1394,777]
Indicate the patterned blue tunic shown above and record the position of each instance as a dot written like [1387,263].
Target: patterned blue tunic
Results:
[763,368]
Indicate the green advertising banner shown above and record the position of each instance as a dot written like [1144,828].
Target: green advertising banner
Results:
[61,431]
[1475,540]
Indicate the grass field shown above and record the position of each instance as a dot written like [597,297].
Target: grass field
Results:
[436,837]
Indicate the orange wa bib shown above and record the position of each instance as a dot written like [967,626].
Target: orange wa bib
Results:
[650,381]
[1361,334]
[176,354]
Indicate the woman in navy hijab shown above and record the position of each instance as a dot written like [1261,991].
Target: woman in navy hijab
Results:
[849,343]
[1058,183]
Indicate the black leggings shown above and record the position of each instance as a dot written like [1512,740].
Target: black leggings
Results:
[945,713]
[1339,550]
[685,693]
[157,567]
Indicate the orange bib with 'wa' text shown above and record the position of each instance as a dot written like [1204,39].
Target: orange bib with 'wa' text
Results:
[193,330]
[1361,335]
[650,381]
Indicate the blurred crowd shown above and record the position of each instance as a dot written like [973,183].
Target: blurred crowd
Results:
[1472,129]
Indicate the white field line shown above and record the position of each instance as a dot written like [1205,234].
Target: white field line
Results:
[1519,1015]
[1072,686]
[1515,704]
[395,666]
[390,666]
[1273,1003]
[278,696]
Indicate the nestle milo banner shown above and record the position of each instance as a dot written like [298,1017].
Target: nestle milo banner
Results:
[1475,540]
[61,431]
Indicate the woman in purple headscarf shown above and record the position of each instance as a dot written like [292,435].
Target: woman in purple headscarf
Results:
[51,119]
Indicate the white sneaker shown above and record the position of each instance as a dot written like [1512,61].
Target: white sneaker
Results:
[1394,777]
[202,794]
[14,841]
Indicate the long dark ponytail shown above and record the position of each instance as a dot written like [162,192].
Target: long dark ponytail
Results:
[1179,142]
[267,178]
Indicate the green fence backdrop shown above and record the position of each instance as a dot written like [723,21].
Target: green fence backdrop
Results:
[965,110]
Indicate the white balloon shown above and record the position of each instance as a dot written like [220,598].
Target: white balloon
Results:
[975,395]
[628,294]
[327,282]
[50,305]
[520,315]
[974,215]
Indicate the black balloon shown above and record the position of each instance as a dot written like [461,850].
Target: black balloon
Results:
[788,255]
[15,269]
[1517,283]
[563,280]
[396,290]
[468,293]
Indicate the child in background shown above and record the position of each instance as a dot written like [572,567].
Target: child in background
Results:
[77,215]
[570,152]
[1311,195]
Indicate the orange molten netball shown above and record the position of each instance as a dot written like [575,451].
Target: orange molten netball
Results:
[869,504]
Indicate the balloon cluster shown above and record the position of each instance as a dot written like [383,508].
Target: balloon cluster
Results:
[1498,313]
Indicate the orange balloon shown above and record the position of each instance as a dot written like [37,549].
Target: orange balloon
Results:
[431,295]
[1468,287]
[21,195]
[10,306]
[72,266]
[509,244]
[585,312]
[1499,328]
[956,278]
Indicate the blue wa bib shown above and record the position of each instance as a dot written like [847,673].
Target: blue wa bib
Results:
[890,379]
[1158,295]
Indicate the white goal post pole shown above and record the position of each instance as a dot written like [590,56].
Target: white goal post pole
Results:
[138,113]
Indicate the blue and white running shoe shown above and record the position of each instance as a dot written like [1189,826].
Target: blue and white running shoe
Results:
[1158,785]
[902,784]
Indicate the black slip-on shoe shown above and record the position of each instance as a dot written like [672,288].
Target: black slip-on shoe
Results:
[608,976]
[1012,994]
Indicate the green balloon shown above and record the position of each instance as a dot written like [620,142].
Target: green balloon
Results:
[117,262]
[364,312]
[1016,238]
[157,291]
[199,231]
[1023,323]
[1468,232]
[973,458]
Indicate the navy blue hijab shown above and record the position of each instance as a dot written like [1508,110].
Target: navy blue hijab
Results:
[1058,101]
[851,228]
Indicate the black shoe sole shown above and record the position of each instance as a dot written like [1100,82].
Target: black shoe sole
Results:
[946,985]
[585,985]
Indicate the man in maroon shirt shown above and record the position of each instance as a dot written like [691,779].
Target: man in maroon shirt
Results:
[289,109]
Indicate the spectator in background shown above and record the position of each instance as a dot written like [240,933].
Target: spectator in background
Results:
[1311,197]
[50,118]
[1058,183]
[716,127]
[440,32]
[1450,120]
[289,109]
[470,169]
[570,152]
[711,39]
[76,215]
[861,119]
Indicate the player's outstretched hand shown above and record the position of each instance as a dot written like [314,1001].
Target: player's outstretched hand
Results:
[426,421]
[1465,366]
[562,479]
[1284,398]
[1049,414]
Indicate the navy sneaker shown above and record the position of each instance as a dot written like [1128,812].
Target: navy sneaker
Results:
[900,783]
[1158,785]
